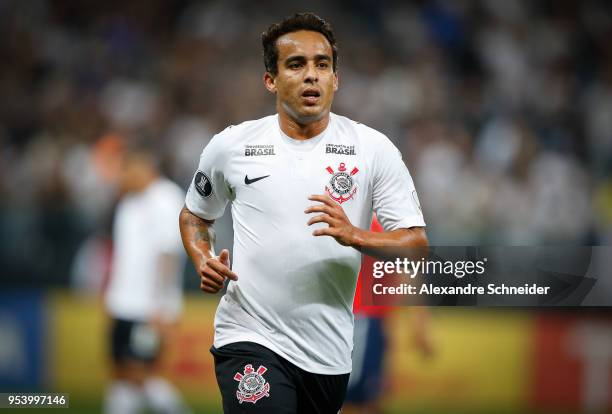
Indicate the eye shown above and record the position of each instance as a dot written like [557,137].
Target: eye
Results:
[295,65]
[323,65]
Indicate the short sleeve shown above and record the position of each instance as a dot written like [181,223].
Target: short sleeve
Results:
[394,196]
[167,234]
[208,192]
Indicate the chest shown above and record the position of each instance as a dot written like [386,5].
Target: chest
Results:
[277,179]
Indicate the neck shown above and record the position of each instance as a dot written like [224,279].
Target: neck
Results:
[301,129]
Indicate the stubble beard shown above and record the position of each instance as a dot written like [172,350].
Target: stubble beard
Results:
[303,119]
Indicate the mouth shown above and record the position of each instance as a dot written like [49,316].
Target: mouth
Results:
[311,96]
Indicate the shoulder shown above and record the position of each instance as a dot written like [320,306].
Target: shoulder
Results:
[246,129]
[368,137]
[230,142]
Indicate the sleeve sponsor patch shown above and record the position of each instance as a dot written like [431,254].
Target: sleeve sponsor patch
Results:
[203,184]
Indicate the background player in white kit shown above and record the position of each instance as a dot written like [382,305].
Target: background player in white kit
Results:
[144,296]
[303,185]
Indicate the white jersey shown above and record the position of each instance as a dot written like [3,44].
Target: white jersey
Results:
[295,291]
[145,228]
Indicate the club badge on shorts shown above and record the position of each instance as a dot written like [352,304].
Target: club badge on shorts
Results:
[252,385]
[341,185]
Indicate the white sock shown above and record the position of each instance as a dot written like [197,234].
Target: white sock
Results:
[123,397]
[163,398]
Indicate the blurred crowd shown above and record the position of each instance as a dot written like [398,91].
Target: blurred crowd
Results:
[502,110]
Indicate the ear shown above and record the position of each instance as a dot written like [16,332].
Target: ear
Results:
[269,82]
[335,81]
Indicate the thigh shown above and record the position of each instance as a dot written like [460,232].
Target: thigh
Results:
[253,379]
[321,394]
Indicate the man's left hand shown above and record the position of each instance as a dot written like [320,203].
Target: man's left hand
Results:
[340,227]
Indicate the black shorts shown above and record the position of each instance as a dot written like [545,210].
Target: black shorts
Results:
[253,379]
[134,341]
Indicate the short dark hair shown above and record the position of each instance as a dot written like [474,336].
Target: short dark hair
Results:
[299,21]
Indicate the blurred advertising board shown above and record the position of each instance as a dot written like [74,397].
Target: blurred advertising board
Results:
[484,358]
[572,361]
[481,360]
[22,329]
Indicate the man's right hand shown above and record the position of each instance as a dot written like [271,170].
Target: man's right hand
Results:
[214,272]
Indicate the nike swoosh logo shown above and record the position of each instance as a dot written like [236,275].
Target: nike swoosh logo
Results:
[248,181]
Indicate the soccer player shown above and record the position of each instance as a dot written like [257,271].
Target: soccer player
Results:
[144,296]
[302,185]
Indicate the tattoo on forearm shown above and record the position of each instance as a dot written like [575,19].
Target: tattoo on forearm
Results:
[205,233]
[201,230]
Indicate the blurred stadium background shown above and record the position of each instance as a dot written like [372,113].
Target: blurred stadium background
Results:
[502,109]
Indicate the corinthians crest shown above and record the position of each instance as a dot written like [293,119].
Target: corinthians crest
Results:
[341,185]
[252,386]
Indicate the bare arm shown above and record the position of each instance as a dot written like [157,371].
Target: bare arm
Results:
[421,331]
[198,239]
[411,243]
[198,236]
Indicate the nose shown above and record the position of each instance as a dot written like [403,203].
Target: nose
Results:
[311,73]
